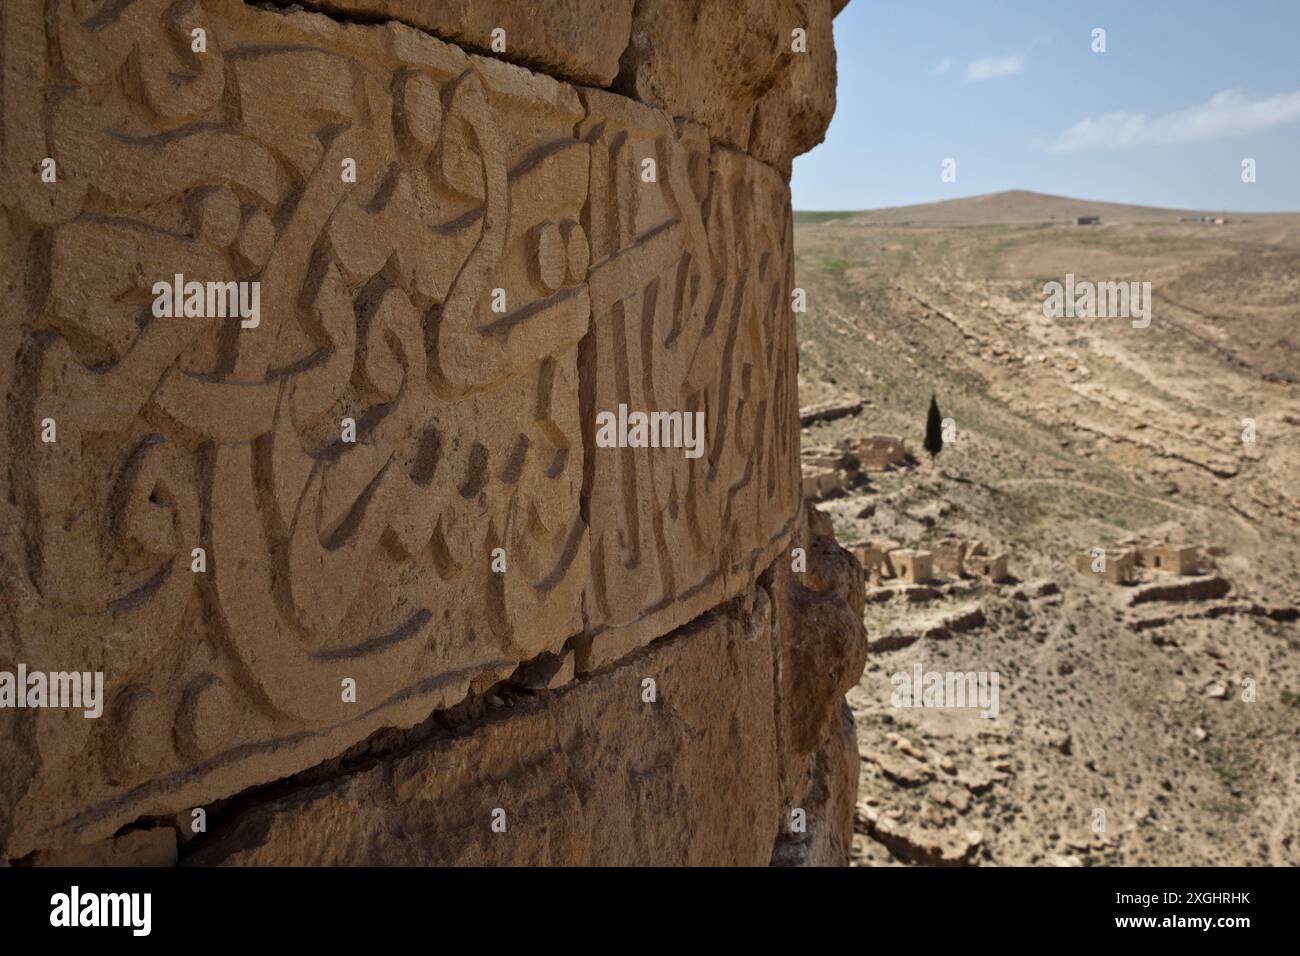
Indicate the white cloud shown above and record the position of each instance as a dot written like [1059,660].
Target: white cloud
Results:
[994,66]
[1226,114]
[944,65]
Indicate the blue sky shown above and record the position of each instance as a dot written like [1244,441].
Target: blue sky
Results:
[1012,91]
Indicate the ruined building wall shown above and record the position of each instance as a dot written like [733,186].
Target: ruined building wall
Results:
[363,580]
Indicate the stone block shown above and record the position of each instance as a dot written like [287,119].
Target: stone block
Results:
[734,67]
[578,40]
[279,533]
[592,774]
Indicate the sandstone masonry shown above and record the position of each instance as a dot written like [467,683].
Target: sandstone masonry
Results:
[367,550]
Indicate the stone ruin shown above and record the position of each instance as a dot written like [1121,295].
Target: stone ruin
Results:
[1117,568]
[829,469]
[1134,561]
[962,556]
[1168,559]
[912,567]
[991,566]
[878,452]
[955,557]
[823,472]
[338,520]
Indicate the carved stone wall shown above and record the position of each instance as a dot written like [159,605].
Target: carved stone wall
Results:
[468,262]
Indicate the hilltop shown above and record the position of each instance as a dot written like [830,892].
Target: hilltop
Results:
[1015,206]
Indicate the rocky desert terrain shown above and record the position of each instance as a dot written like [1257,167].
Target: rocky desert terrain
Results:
[1139,724]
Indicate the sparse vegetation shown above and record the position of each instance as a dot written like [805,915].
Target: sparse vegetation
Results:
[1074,435]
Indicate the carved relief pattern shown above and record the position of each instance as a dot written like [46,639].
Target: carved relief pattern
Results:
[327,559]
[690,302]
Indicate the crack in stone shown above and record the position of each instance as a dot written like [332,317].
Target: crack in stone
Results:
[390,744]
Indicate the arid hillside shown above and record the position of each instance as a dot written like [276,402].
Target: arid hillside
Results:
[1022,207]
[1146,723]
[1012,206]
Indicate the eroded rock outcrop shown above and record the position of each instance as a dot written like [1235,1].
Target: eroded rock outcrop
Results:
[311,315]
[821,647]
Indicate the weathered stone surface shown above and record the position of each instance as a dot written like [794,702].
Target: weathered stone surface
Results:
[749,724]
[826,788]
[823,643]
[821,648]
[327,560]
[588,775]
[687,274]
[287,542]
[732,67]
[579,40]
[729,65]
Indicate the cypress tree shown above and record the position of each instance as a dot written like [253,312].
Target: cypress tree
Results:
[933,430]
